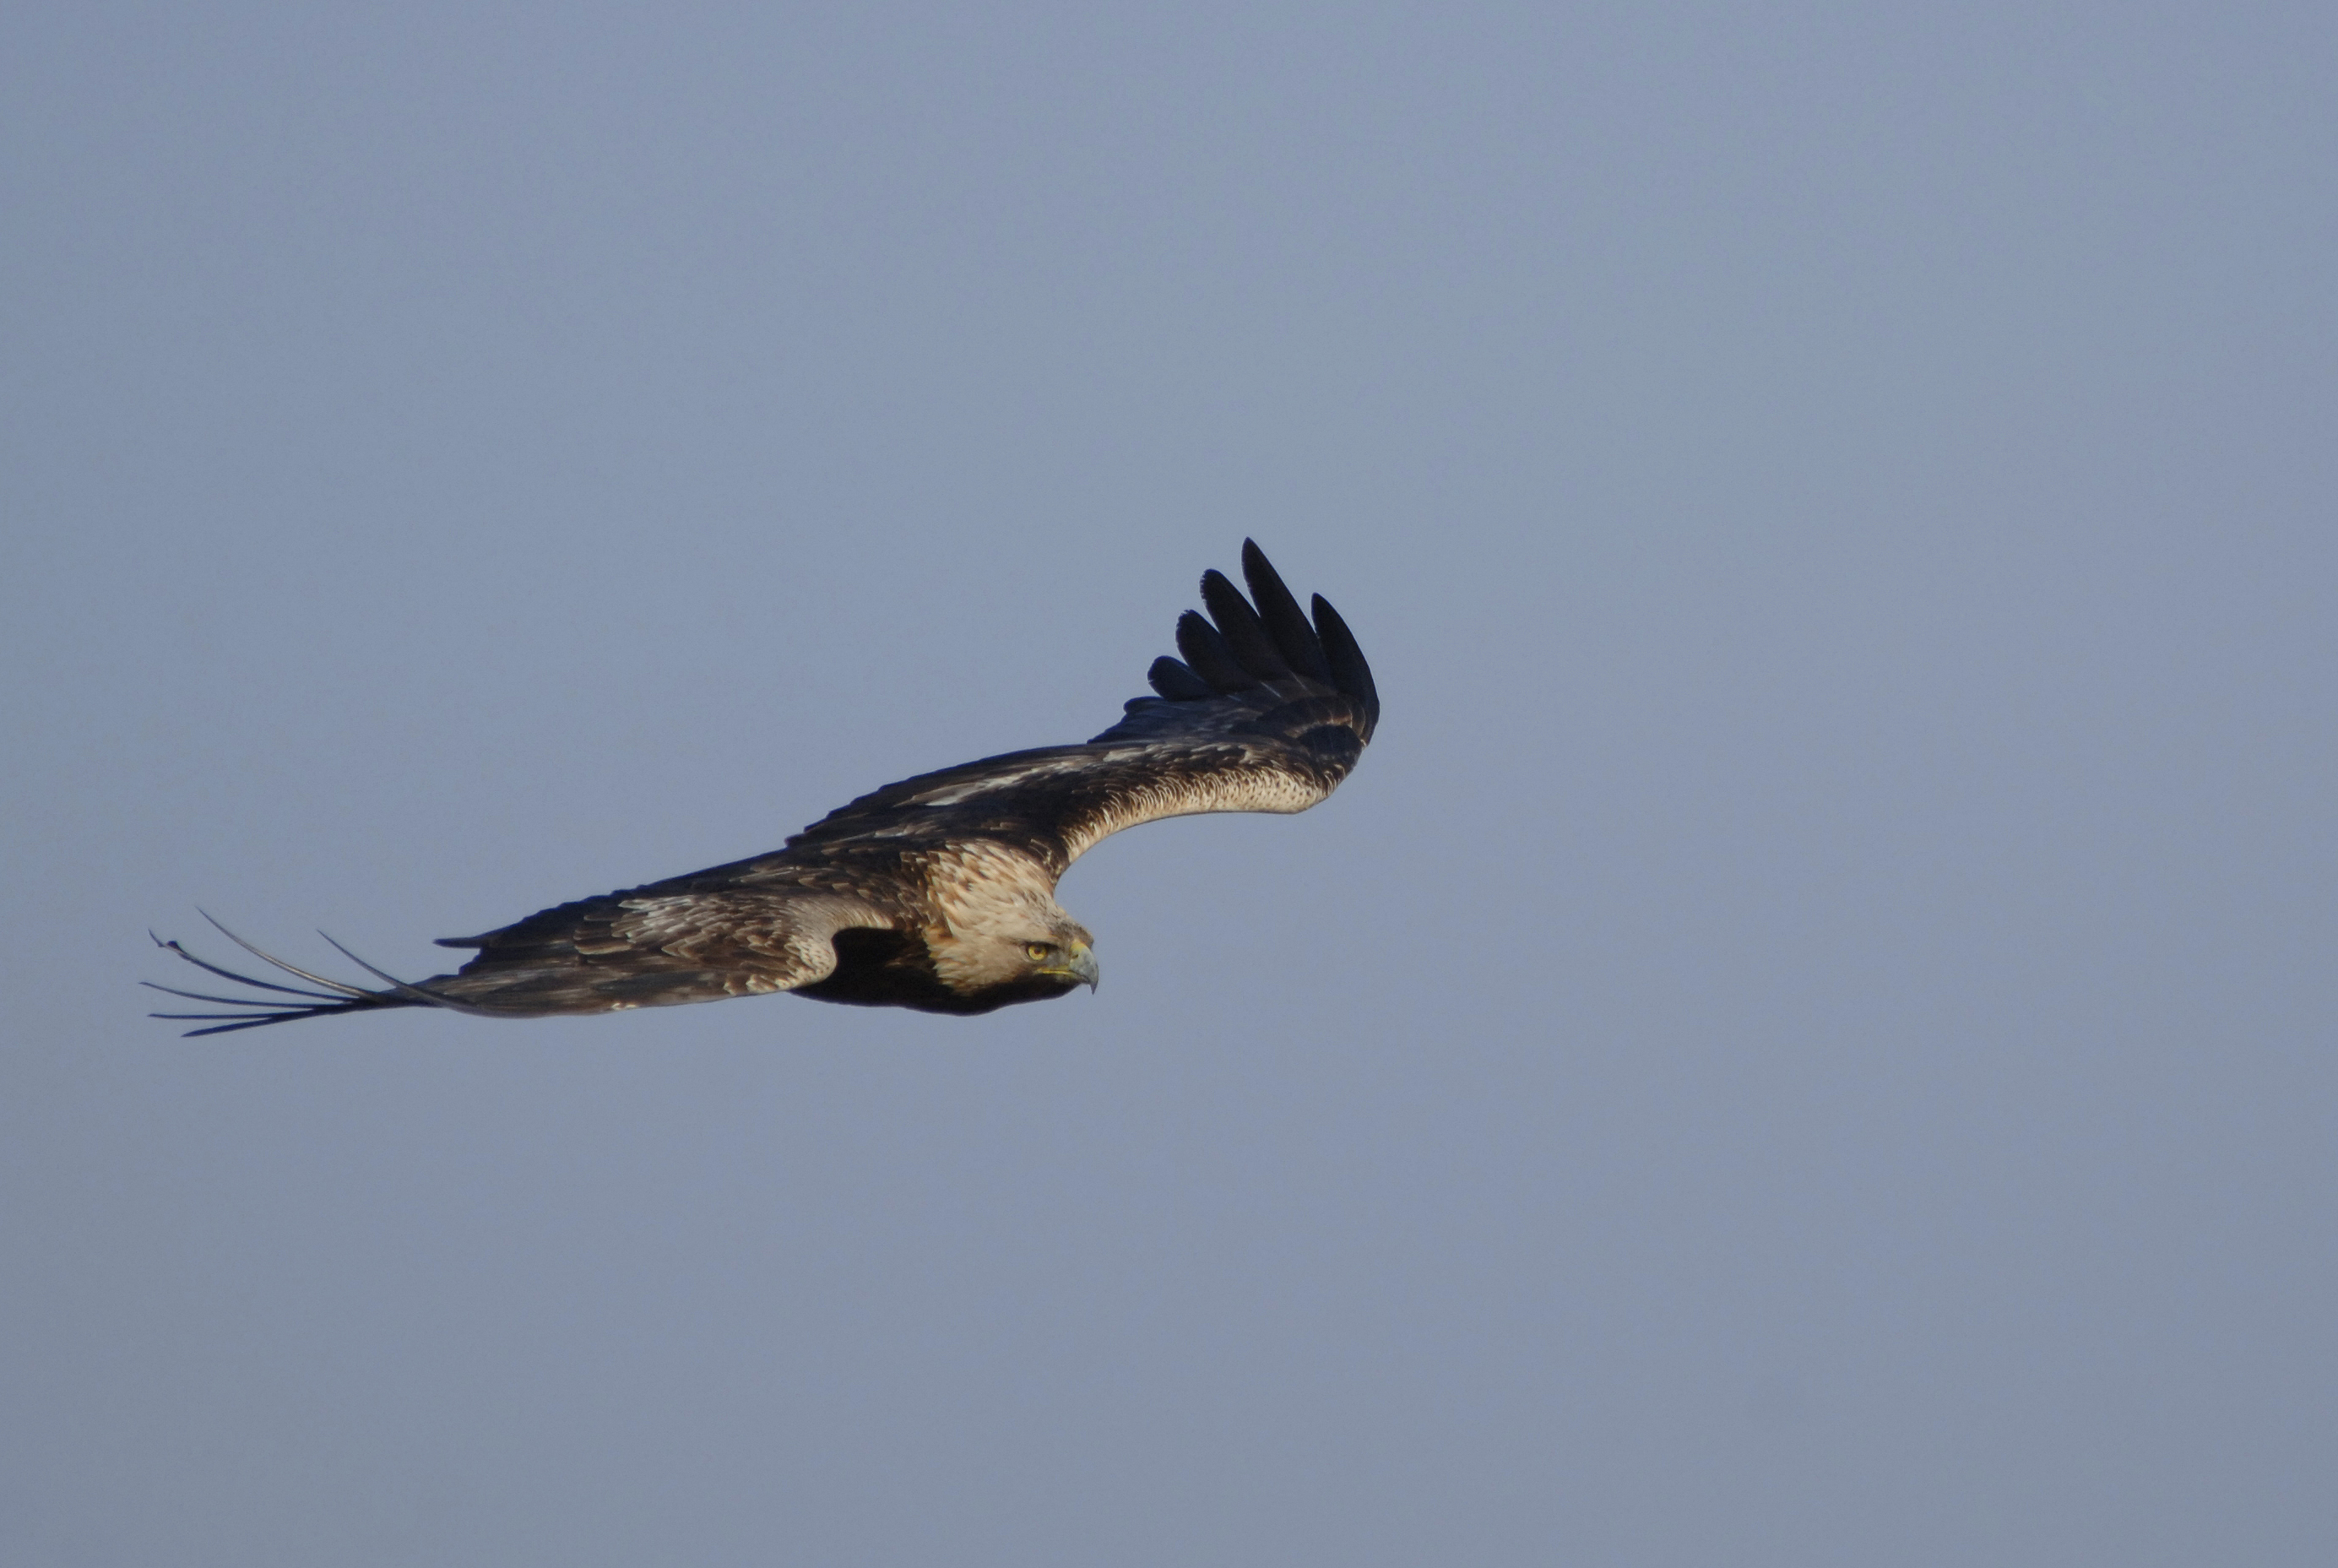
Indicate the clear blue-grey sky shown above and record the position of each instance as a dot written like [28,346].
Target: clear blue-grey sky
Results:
[1808,1040]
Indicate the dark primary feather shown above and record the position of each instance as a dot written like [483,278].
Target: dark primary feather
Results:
[1266,712]
[1279,612]
[1212,657]
[1244,632]
[1175,681]
[1350,673]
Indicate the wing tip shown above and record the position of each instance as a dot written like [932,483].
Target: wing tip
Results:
[256,1012]
[1237,647]
[1351,672]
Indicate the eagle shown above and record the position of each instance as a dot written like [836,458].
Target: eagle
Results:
[935,893]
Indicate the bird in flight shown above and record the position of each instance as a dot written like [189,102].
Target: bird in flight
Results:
[935,893]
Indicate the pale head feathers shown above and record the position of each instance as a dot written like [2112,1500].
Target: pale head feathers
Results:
[990,899]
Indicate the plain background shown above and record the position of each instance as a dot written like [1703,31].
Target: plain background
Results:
[1807,1041]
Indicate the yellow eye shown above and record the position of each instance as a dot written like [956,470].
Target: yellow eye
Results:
[1035,951]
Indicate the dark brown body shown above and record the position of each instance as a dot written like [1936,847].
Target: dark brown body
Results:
[893,969]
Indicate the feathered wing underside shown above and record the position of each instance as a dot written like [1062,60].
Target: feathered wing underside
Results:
[1267,709]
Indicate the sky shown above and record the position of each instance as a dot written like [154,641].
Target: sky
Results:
[1808,1039]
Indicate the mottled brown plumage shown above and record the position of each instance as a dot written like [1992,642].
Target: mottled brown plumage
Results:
[935,893]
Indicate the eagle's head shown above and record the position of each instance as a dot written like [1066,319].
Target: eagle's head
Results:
[1064,957]
[1042,954]
[1004,937]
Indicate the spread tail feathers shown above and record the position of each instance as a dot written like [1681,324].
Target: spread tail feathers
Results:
[256,1011]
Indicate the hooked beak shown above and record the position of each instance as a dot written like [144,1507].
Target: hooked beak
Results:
[1080,964]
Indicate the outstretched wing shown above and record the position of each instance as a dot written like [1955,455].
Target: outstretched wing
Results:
[734,931]
[742,930]
[1267,710]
